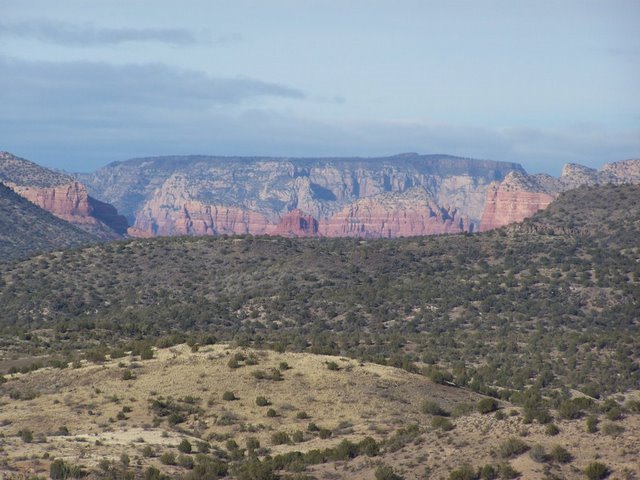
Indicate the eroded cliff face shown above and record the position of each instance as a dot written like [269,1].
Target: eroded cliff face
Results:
[61,195]
[512,200]
[296,224]
[366,197]
[387,216]
[519,196]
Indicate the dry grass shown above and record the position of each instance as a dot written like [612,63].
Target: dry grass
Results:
[355,401]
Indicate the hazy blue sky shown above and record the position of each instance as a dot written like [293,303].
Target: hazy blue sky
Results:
[83,83]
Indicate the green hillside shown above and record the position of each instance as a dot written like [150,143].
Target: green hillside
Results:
[552,303]
[26,229]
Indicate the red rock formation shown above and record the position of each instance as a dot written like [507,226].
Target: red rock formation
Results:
[196,218]
[388,216]
[296,224]
[512,200]
[72,203]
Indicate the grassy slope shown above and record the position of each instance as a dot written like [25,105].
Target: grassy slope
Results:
[26,229]
[355,401]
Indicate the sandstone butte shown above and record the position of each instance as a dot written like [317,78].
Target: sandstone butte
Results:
[62,196]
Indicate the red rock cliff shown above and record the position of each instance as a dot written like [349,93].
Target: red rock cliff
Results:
[512,200]
[72,203]
[390,216]
[296,224]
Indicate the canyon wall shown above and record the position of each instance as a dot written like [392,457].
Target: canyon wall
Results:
[403,195]
[61,195]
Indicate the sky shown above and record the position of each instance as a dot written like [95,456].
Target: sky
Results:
[542,83]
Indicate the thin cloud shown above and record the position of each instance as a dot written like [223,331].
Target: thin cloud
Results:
[44,88]
[85,35]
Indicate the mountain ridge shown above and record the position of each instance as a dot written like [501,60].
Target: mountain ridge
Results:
[62,195]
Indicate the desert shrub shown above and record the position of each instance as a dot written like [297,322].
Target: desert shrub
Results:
[125,460]
[280,438]
[284,366]
[185,461]
[152,473]
[538,454]
[273,374]
[512,447]
[302,415]
[207,468]
[610,428]
[59,470]
[227,418]
[438,376]
[333,366]
[614,414]
[560,454]
[500,415]
[465,472]
[369,447]
[233,363]
[253,443]
[633,406]
[146,353]
[487,405]
[596,471]
[403,436]
[552,430]
[312,427]
[168,458]
[433,408]
[262,401]
[297,436]
[271,413]
[26,435]
[63,431]
[386,472]
[487,472]
[571,409]
[442,423]
[462,409]
[506,471]
[127,375]
[176,418]
[592,424]
[229,396]
[185,446]
[147,451]
[324,433]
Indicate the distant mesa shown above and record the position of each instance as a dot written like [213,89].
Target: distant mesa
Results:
[383,197]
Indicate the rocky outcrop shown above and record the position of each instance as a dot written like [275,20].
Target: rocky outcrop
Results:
[388,216]
[512,200]
[61,195]
[519,196]
[296,224]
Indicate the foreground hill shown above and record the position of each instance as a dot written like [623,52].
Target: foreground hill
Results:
[61,195]
[218,411]
[537,306]
[26,229]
